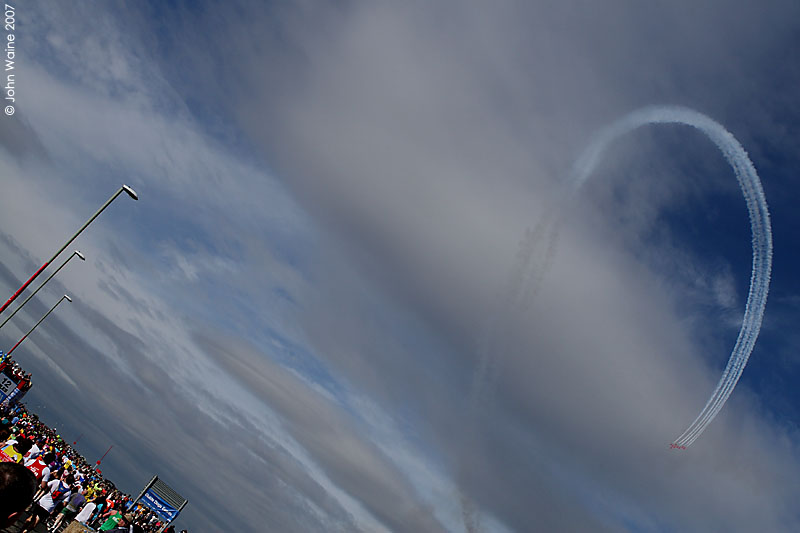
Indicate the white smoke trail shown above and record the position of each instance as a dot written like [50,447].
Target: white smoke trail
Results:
[760,226]
[526,280]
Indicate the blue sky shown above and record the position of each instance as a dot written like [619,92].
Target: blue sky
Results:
[286,327]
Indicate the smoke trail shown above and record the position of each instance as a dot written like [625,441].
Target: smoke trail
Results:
[760,226]
[536,277]
[486,372]
[526,280]
[527,272]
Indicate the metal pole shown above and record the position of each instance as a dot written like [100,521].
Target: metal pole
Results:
[125,188]
[76,252]
[40,321]
[104,455]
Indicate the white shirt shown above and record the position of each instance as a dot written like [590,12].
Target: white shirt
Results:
[32,453]
[86,512]
[46,502]
[45,470]
[46,474]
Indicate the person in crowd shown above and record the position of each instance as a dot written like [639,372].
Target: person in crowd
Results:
[55,473]
[41,467]
[17,485]
[33,452]
[15,452]
[85,513]
[111,509]
[114,518]
[58,490]
[100,504]
[69,511]
[128,525]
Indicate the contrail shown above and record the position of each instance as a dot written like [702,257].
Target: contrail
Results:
[525,281]
[753,193]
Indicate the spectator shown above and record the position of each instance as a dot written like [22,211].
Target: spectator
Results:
[86,512]
[17,485]
[58,490]
[33,452]
[41,467]
[71,508]
[14,452]
[112,521]
[127,525]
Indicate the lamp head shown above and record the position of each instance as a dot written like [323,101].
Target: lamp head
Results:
[130,192]
[80,255]
[68,298]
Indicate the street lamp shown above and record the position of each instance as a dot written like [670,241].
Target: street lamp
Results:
[76,252]
[124,188]
[65,297]
[104,456]
[97,466]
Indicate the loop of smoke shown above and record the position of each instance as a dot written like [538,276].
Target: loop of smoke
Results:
[753,193]
[525,281]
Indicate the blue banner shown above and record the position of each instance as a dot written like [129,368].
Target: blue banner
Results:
[162,508]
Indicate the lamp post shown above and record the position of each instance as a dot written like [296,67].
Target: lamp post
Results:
[76,252]
[104,456]
[124,188]
[65,297]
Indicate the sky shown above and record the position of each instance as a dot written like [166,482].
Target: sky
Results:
[304,322]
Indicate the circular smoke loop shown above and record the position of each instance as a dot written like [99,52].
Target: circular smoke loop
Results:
[529,271]
[753,194]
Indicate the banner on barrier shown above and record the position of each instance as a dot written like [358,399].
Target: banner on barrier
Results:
[162,499]
[162,508]
[7,386]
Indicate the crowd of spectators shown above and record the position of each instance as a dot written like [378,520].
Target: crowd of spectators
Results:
[67,487]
